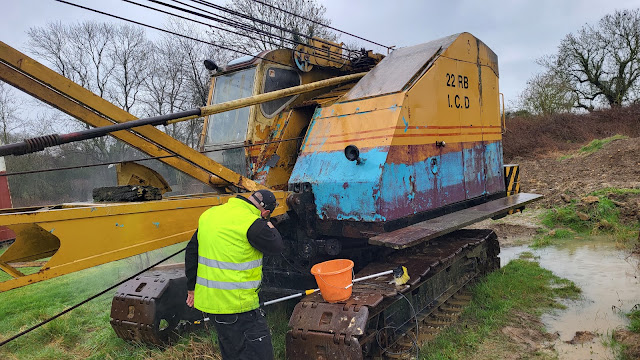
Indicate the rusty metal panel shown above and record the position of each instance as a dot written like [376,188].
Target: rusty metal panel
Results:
[149,307]
[442,225]
[322,346]
[329,318]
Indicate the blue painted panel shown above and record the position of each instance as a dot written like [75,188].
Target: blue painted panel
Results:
[451,175]
[380,191]
[343,190]
[474,175]
[399,183]
[410,189]
[493,167]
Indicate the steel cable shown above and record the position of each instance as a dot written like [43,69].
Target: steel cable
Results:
[85,301]
[145,159]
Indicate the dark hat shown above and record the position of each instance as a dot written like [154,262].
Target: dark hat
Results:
[266,199]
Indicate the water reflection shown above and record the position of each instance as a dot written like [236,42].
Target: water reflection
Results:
[610,283]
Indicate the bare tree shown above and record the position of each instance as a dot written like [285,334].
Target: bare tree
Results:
[270,27]
[109,60]
[79,52]
[178,79]
[129,56]
[547,93]
[9,110]
[602,62]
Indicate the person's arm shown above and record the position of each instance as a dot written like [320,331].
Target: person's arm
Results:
[191,266]
[265,237]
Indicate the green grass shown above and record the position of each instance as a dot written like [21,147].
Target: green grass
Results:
[594,146]
[623,351]
[597,144]
[604,219]
[634,316]
[520,286]
[83,333]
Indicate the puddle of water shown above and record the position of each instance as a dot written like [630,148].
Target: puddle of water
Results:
[610,283]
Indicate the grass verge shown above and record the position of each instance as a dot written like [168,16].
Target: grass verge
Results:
[594,146]
[521,287]
[628,341]
[84,333]
[603,216]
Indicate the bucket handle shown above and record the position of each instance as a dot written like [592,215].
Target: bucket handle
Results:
[353,276]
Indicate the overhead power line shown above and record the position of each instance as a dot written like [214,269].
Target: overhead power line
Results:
[195,21]
[321,24]
[251,18]
[168,31]
[235,24]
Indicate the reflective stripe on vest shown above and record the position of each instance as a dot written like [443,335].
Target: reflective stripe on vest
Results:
[222,285]
[229,268]
[225,265]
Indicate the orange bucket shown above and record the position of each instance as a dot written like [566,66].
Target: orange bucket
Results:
[334,279]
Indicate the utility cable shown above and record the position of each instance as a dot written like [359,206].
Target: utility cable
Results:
[321,24]
[239,25]
[144,159]
[168,31]
[196,21]
[251,18]
[86,300]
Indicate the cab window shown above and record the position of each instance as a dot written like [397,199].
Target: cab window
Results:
[278,79]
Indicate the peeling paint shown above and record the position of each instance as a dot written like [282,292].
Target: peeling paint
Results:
[157,224]
[381,190]
[406,124]
[119,225]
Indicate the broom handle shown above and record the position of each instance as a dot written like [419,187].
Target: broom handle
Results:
[311,291]
[373,275]
[306,292]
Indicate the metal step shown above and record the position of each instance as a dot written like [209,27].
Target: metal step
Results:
[433,228]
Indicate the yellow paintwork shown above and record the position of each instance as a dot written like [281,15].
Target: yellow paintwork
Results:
[263,129]
[20,71]
[427,112]
[130,173]
[289,124]
[79,236]
[321,52]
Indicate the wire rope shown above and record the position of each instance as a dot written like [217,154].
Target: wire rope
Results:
[4,342]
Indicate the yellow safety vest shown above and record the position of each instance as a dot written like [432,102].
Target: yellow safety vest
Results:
[229,268]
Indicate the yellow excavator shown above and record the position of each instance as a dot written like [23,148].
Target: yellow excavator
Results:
[378,159]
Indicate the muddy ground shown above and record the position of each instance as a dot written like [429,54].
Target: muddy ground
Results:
[560,177]
[617,165]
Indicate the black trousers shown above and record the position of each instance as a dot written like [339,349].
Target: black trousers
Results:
[243,336]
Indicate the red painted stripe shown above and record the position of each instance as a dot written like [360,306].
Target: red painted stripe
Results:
[397,135]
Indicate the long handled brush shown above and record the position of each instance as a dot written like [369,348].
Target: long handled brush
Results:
[400,277]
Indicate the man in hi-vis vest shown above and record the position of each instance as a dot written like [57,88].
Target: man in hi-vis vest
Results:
[223,264]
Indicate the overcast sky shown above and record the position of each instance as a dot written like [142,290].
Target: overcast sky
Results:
[518,31]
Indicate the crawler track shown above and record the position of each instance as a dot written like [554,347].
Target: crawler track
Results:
[374,321]
[378,320]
